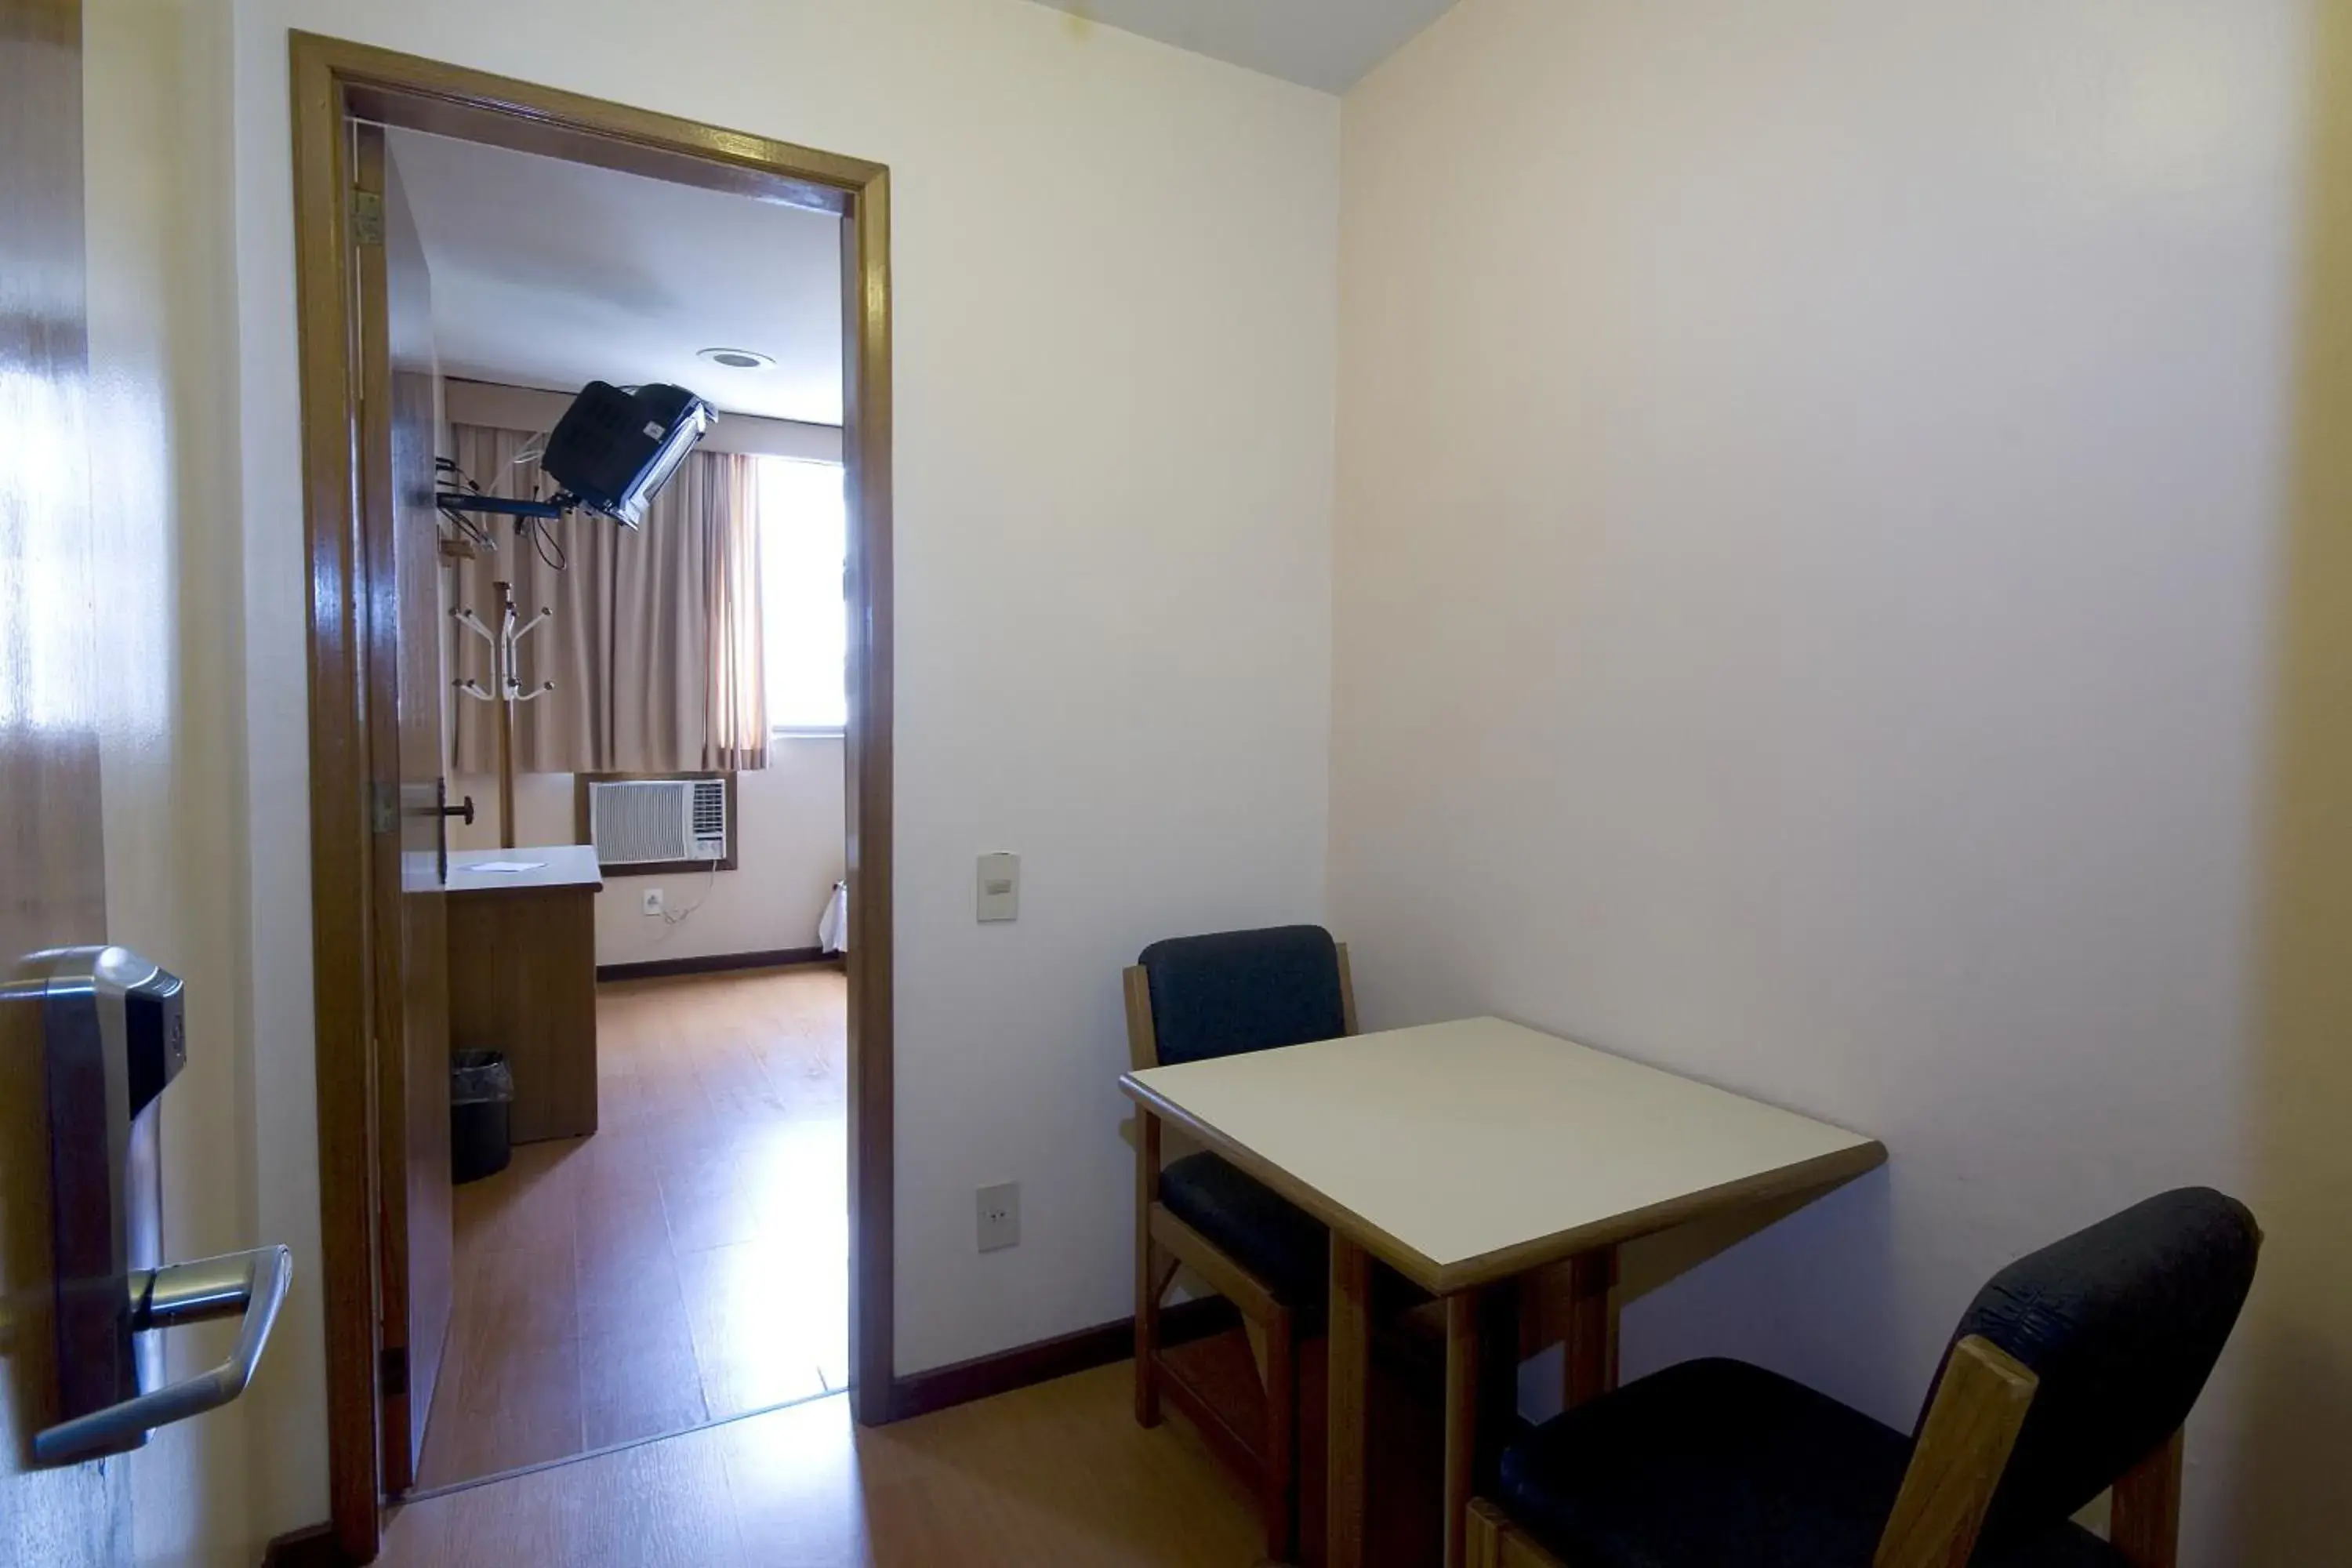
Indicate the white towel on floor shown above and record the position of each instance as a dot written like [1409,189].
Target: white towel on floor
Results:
[832,926]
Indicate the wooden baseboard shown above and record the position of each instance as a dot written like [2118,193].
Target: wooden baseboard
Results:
[921,1392]
[315,1547]
[716,963]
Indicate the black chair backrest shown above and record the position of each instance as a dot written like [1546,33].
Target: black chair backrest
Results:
[1243,990]
[2122,1324]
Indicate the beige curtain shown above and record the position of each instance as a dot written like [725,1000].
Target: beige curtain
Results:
[735,717]
[654,644]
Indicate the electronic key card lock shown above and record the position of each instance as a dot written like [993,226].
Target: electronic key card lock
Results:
[115,1037]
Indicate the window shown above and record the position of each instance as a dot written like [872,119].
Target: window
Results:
[804,551]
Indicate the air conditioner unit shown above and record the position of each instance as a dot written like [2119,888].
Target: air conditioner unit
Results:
[653,822]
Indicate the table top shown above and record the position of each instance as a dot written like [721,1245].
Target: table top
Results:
[559,866]
[1464,1152]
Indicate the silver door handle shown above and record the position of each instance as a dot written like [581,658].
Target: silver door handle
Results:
[251,1284]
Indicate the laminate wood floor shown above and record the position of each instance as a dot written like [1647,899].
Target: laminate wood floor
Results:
[688,1263]
[1058,1475]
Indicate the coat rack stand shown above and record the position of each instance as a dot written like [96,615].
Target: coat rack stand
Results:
[506,689]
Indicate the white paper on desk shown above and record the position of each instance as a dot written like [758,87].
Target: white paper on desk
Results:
[505,865]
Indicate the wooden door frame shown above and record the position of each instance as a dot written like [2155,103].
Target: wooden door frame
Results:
[335,83]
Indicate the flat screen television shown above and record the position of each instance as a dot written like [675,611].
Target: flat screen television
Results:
[615,447]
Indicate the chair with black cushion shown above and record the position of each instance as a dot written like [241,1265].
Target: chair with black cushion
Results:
[1189,999]
[2071,1374]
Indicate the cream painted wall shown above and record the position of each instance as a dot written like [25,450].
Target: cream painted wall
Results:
[789,851]
[1811,501]
[155,130]
[1115,332]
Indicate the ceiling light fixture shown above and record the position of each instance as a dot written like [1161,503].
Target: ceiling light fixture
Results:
[737,358]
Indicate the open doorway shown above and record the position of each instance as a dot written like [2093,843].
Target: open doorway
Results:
[696,1221]
[672,1249]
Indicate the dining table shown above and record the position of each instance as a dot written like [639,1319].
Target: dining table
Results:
[1470,1155]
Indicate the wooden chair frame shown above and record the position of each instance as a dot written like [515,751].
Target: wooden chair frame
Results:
[1163,1243]
[1964,1445]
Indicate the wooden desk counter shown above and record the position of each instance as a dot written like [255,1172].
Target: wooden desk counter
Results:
[522,978]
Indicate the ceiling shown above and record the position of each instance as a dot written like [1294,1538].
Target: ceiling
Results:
[552,274]
[1327,44]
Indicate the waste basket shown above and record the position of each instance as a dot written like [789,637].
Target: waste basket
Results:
[481,1107]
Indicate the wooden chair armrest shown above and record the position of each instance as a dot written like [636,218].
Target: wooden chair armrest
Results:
[1964,1445]
[1245,1291]
[1496,1542]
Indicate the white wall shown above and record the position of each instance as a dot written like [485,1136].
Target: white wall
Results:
[789,853]
[1809,481]
[1115,333]
[155,100]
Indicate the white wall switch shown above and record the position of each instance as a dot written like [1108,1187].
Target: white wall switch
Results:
[1000,888]
[1000,1216]
[653,900]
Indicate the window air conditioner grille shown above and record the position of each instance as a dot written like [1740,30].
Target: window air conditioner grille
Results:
[638,824]
[651,822]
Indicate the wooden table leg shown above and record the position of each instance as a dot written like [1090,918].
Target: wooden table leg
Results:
[1463,1375]
[1349,1399]
[1590,1352]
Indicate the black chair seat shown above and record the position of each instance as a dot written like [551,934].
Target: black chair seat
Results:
[1717,1464]
[1272,1238]
[1266,1234]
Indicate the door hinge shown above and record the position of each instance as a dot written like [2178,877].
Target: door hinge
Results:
[383,808]
[367,218]
[392,1366]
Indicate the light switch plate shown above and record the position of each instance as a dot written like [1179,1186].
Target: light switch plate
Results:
[999,889]
[1000,1216]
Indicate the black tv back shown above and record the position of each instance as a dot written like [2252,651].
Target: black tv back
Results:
[614,448]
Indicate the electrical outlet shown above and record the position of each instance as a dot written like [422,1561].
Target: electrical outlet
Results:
[1000,1216]
[653,900]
